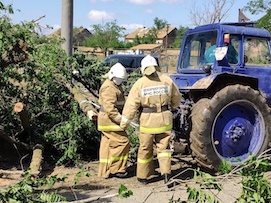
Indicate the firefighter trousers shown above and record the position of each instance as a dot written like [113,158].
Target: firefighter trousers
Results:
[145,166]
[113,153]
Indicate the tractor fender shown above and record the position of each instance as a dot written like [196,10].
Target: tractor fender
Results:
[217,81]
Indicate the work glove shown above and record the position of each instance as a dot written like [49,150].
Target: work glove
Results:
[92,115]
[124,123]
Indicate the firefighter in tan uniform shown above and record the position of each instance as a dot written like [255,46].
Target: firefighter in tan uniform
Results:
[155,96]
[114,146]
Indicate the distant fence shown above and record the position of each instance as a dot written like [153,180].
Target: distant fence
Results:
[157,52]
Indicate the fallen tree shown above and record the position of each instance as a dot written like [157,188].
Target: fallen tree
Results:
[39,113]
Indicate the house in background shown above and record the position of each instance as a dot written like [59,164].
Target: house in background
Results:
[152,49]
[165,36]
[79,35]
[140,32]
[89,51]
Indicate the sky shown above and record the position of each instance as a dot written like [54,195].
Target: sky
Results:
[130,14]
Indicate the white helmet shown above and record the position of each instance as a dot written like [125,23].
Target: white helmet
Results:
[148,64]
[117,71]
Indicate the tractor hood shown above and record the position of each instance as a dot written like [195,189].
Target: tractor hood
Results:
[202,81]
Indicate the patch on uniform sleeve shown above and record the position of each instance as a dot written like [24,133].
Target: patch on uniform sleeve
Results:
[155,90]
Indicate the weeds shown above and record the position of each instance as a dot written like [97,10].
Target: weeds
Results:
[124,192]
[28,190]
[33,189]
[81,173]
[255,185]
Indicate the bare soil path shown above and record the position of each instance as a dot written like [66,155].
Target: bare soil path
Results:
[96,189]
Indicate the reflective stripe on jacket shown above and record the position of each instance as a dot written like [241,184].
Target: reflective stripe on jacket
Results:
[152,91]
[111,99]
[155,130]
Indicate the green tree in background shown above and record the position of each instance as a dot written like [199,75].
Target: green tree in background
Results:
[105,36]
[261,6]
[264,22]
[179,37]
[148,39]
[151,36]
[258,6]
[158,24]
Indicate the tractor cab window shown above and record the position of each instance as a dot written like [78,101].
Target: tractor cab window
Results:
[198,50]
[257,52]
[233,49]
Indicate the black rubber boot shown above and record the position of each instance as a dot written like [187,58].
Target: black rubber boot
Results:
[120,175]
[143,181]
[166,177]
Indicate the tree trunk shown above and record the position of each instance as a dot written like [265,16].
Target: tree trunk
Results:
[36,161]
[21,109]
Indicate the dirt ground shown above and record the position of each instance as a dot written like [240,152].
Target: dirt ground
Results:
[96,189]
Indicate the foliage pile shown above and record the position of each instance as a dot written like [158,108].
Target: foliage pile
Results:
[254,182]
[38,74]
[41,189]
[29,190]
[89,73]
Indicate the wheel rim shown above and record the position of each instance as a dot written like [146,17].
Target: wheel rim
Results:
[238,131]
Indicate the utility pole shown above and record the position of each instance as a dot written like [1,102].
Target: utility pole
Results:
[167,38]
[67,26]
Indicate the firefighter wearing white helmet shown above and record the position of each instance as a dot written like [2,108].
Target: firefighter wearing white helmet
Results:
[148,65]
[117,71]
[114,145]
[155,96]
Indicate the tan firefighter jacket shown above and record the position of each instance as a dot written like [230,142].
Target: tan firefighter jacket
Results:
[155,97]
[111,99]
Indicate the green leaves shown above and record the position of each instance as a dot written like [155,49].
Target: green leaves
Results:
[81,173]
[257,6]
[52,197]
[124,192]
[260,6]
[225,167]
[255,186]
[200,196]
[206,182]
[28,190]
[36,71]
[265,21]
[105,36]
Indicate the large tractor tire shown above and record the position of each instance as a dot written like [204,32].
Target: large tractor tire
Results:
[230,126]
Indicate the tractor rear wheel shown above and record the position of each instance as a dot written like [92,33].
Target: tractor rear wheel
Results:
[230,126]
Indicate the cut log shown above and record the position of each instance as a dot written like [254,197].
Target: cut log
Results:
[21,109]
[37,159]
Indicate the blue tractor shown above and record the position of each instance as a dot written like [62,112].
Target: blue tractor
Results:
[224,74]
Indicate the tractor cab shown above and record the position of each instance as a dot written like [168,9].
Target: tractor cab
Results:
[224,51]
[203,50]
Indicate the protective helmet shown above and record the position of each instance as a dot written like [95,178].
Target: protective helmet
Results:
[148,64]
[117,71]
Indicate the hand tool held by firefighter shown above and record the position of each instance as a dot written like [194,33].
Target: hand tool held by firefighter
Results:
[91,102]
[132,123]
